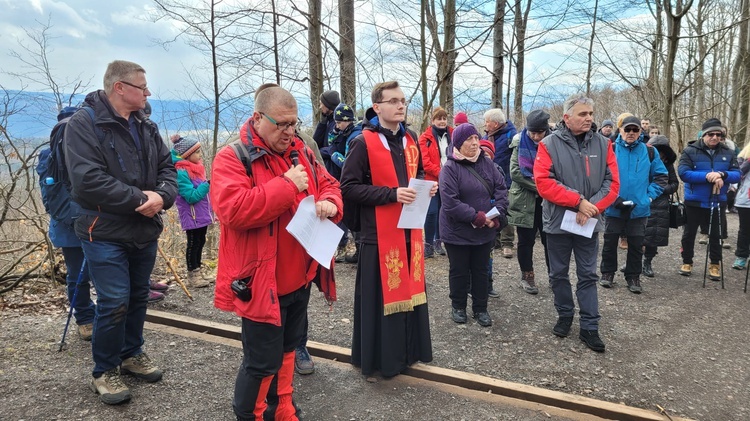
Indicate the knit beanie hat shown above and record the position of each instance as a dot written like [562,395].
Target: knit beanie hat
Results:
[460,118]
[488,146]
[537,121]
[66,112]
[712,124]
[330,99]
[463,132]
[185,146]
[343,113]
[609,123]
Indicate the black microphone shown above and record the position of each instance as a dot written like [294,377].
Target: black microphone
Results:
[295,157]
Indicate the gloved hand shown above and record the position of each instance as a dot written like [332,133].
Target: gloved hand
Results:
[338,159]
[624,205]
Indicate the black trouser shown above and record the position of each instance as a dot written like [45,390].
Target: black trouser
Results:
[196,239]
[527,238]
[264,346]
[743,235]
[635,231]
[650,252]
[468,266]
[695,217]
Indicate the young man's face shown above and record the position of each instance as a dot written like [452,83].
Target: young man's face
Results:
[391,109]
[323,109]
[580,118]
[645,123]
[440,122]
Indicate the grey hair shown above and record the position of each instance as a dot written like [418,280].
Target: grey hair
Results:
[576,99]
[119,70]
[495,114]
[273,97]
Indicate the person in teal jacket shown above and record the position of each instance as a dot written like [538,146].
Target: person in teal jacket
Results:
[642,179]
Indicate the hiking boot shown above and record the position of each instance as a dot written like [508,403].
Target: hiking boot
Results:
[270,413]
[459,315]
[647,269]
[634,284]
[340,255]
[508,252]
[483,319]
[195,279]
[608,280]
[154,296]
[592,340]
[714,272]
[740,263]
[86,331]
[439,248]
[353,258]
[528,284]
[157,286]
[110,387]
[624,243]
[562,327]
[703,239]
[492,293]
[622,268]
[686,269]
[303,362]
[429,250]
[141,367]
[725,244]
[208,274]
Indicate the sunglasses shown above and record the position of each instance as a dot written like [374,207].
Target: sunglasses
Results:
[715,134]
[632,129]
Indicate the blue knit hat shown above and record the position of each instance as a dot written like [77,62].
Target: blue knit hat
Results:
[343,113]
[463,132]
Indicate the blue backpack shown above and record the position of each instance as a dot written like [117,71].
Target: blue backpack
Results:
[53,176]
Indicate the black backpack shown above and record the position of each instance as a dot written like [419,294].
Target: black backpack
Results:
[53,176]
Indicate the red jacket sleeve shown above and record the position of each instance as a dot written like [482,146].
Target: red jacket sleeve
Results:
[546,182]
[431,167]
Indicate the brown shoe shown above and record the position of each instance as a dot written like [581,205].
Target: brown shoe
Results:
[86,331]
[686,269]
[624,243]
[195,280]
[714,272]
[508,252]
[528,283]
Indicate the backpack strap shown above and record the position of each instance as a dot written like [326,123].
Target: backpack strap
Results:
[482,180]
[651,153]
[240,151]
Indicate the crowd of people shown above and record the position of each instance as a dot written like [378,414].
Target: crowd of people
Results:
[486,192]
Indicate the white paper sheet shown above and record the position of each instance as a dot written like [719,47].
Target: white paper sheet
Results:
[319,237]
[492,213]
[414,214]
[569,224]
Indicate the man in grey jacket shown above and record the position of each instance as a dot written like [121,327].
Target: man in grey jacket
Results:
[121,174]
[575,171]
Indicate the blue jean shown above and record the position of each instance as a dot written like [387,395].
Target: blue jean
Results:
[83,307]
[120,273]
[432,222]
[559,247]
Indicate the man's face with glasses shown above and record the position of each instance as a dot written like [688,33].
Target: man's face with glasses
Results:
[134,91]
[712,138]
[276,127]
[391,109]
[630,133]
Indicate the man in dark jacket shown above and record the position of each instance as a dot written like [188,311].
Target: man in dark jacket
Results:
[500,131]
[565,187]
[328,102]
[642,179]
[122,176]
[707,167]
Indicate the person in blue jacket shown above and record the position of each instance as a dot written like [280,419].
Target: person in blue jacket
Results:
[642,179]
[707,167]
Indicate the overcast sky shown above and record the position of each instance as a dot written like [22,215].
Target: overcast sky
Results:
[89,34]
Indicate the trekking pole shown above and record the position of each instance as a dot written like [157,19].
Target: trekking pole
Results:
[708,246]
[72,303]
[721,234]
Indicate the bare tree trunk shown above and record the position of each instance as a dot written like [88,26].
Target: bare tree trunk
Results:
[741,78]
[275,42]
[449,56]
[217,92]
[316,55]
[652,82]
[347,56]
[497,54]
[589,65]
[423,67]
[700,72]
[674,22]
[521,17]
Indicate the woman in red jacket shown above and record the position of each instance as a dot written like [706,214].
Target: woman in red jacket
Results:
[433,144]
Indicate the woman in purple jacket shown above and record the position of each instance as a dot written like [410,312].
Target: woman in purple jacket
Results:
[193,204]
[470,188]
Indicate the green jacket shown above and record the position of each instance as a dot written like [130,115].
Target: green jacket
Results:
[522,192]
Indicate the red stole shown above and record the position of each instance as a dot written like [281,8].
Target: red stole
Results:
[402,280]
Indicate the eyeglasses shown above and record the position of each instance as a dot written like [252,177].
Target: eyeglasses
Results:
[144,89]
[631,129]
[395,101]
[720,135]
[281,126]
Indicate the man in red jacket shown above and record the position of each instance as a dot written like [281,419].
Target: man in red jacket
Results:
[264,274]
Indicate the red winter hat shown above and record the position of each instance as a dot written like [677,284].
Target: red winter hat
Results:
[487,146]
[460,118]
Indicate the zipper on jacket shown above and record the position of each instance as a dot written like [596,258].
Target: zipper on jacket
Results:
[270,229]
[271,294]
[119,158]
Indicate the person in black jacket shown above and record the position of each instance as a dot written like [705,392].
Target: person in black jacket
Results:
[328,102]
[657,228]
[122,176]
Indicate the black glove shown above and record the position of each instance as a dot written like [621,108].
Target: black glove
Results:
[502,221]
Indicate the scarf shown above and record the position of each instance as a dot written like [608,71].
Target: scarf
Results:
[441,135]
[527,155]
[401,271]
[459,157]
[194,170]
